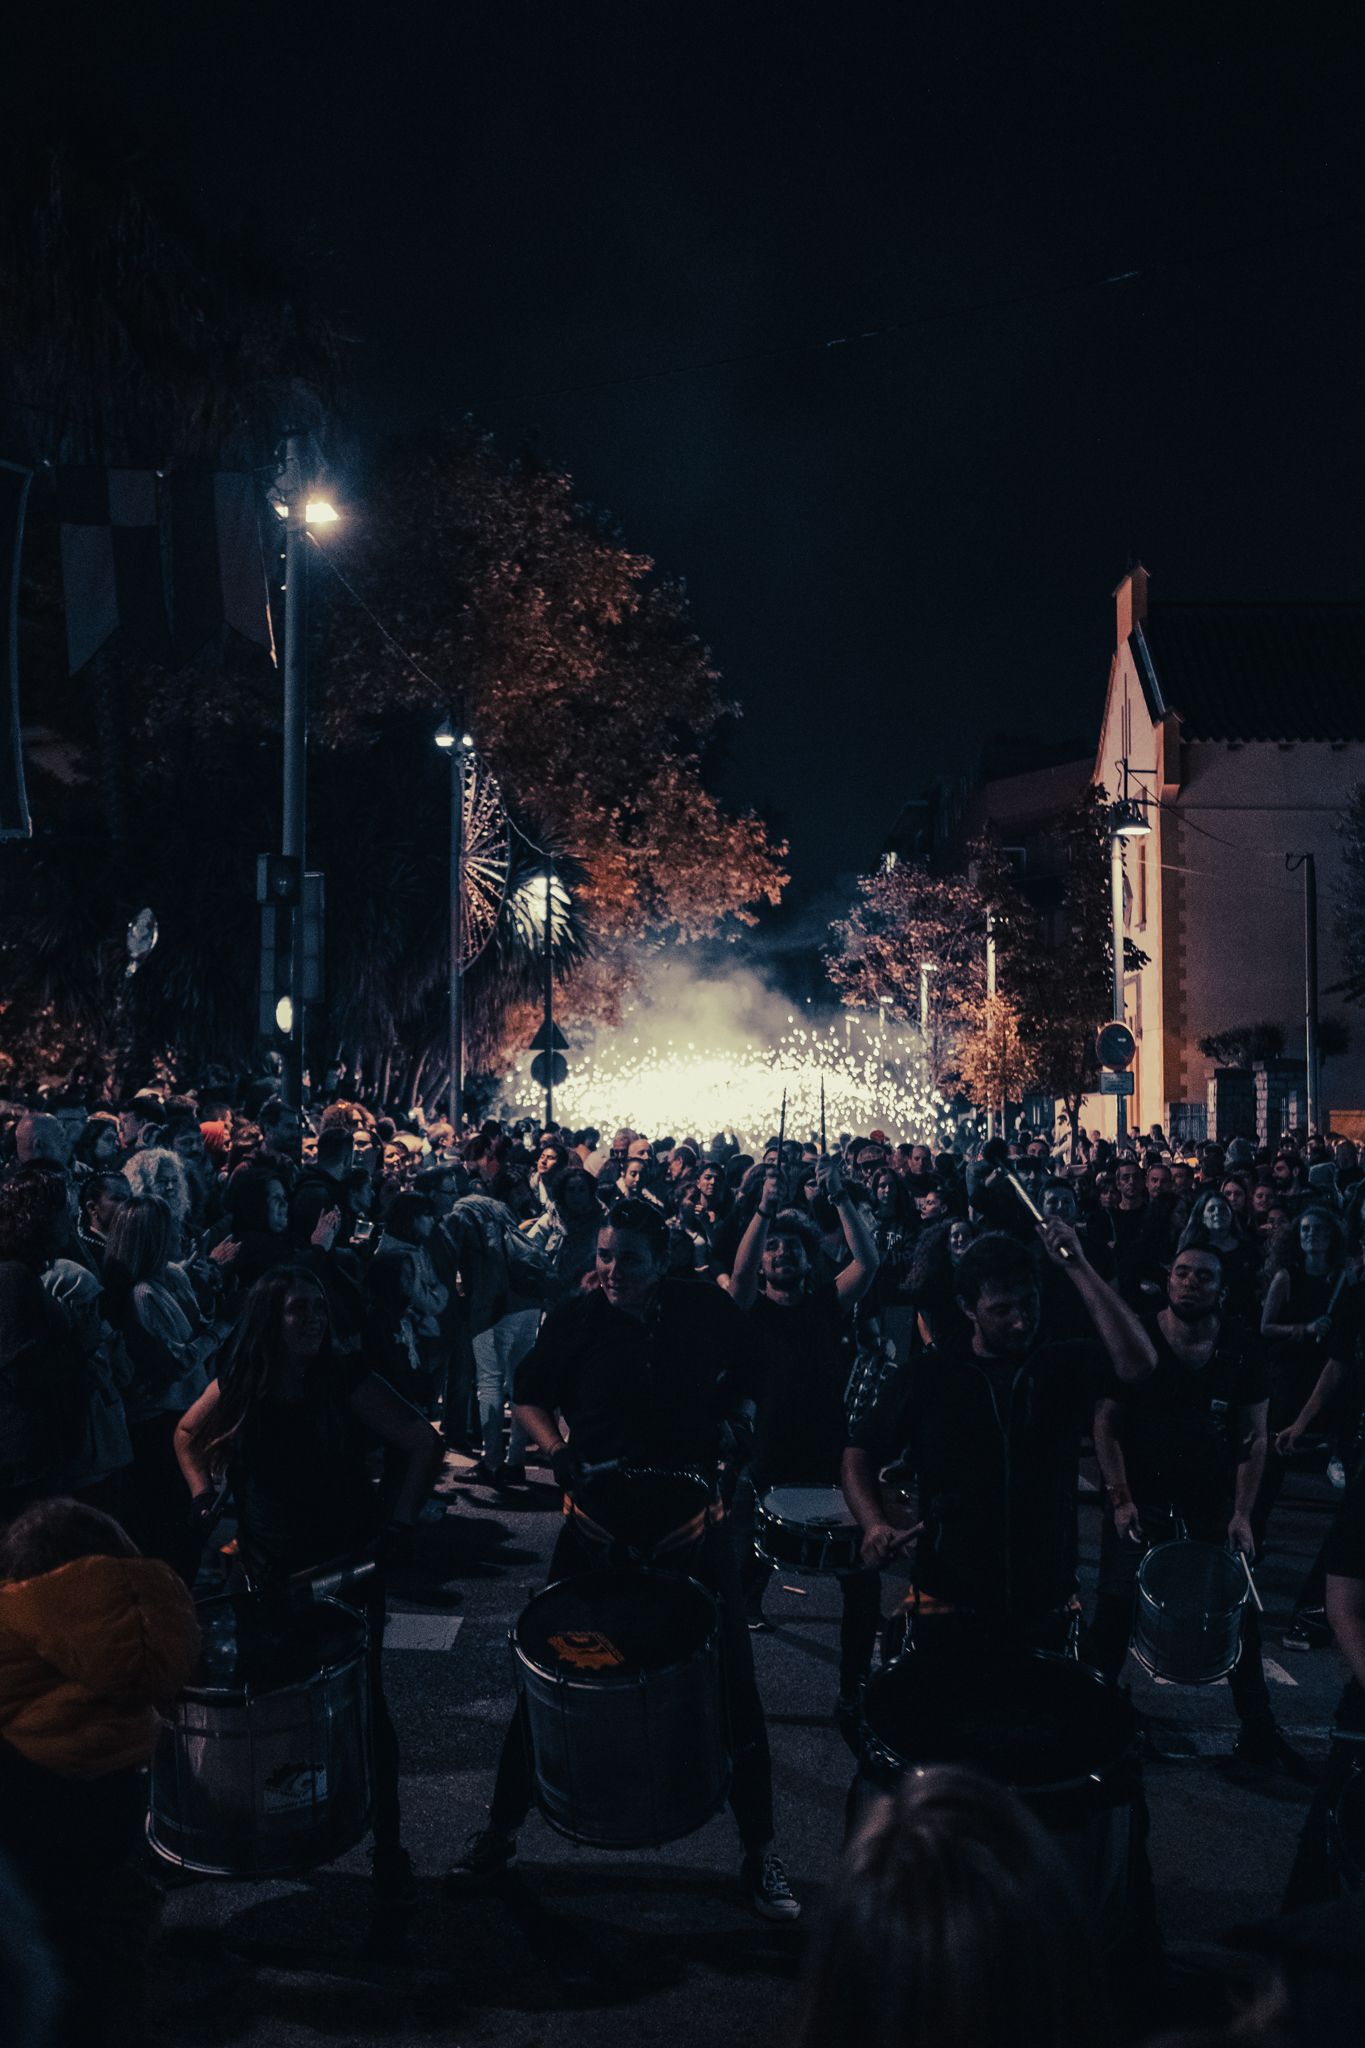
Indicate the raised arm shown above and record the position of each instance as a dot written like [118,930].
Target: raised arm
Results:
[1130,1348]
[854,1279]
[742,1285]
[1324,1392]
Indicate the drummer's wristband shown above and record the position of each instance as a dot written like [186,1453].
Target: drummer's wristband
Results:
[1120,1496]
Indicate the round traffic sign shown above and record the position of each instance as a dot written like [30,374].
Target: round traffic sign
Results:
[1115,1046]
[551,1067]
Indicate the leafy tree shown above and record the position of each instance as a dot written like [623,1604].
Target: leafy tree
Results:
[1053,971]
[906,917]
[1242,1044]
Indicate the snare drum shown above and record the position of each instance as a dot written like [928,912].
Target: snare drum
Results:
[264,1765]
[1190,1599]
[1047,1727]
[808,1529]
[619,1678]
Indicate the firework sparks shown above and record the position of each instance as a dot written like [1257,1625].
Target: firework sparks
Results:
[871,1077]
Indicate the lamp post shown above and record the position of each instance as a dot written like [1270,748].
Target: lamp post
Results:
[540,904]
[1127,820]
[452,739]
[300,509]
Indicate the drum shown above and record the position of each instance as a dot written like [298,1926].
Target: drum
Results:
[808,1529]
[1188,1625]
[264,1765]
[1346,1832]
[636,1513]
[619,1677]
[1047,1727]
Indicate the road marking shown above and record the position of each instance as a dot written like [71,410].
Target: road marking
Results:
[1276,1671]
[421,1631]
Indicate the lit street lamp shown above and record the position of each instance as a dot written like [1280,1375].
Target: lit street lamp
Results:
[299,507]
[541,907]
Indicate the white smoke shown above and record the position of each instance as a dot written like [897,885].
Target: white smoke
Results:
[702,1052]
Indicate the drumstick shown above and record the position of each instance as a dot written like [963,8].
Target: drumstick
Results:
[1251,1583]
[1063,1250]
[782,1130]
[824,1148]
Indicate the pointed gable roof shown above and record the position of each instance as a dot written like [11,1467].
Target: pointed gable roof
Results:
[1247,672]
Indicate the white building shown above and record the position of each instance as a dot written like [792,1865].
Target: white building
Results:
[1242,727]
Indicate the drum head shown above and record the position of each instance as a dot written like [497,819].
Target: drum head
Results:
[1188,1580]
[1029,1722]
[263,1645]
[606,1628]
[819,1507]
[642,1508]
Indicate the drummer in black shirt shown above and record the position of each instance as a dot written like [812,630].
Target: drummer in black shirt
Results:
[992,1430]
[650,1373]
[1188,1446]
[1313,1878]
[798,1325]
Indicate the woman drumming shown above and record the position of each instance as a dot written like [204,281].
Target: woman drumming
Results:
[289,1424]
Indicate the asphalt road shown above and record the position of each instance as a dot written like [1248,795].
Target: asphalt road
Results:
[658,1946]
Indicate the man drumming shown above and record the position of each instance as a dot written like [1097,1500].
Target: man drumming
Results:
[646,1372]
[992,1430]
[1189,1443]
[798,1324]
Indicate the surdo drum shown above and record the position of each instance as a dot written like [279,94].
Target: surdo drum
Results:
[264,1765]
[1190,1599]
[1044,1725]
[807,1529]
[618,1673]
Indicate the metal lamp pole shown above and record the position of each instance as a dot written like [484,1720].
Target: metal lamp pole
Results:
[549,992]
[1116,914]
[293,838]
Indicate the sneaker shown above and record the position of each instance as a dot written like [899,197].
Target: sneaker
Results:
[1307,1630]
[1260,1751]
[487,1851]
[769,1891]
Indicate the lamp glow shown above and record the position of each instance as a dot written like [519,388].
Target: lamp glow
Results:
[320,512]
[284,1016]
[1128,820]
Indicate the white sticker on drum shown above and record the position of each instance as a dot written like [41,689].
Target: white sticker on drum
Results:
[294,1786]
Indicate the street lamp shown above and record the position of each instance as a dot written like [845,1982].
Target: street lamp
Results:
[299,508]
[451,737]
[541,907]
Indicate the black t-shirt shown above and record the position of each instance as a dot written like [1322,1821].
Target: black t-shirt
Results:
[1345,1559]
[1343,1341]
[995,1443]
[299,1474]
[1179,1427]
[650,1393]
[803,1363]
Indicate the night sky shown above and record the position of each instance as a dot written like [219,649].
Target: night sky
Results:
[632,235]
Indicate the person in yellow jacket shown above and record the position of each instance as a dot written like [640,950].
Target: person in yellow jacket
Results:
[95,1641]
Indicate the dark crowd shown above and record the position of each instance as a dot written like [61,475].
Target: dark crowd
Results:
[239,1344]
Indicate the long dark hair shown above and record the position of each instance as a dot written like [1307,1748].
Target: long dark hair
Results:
[1286,1253]
[952,1925]
[250,1359]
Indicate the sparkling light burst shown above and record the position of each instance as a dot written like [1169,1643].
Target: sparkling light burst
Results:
[874,1078]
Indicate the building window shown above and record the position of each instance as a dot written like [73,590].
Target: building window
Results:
[1187,1123]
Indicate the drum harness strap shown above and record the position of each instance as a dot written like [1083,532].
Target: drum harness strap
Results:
[686,1536]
